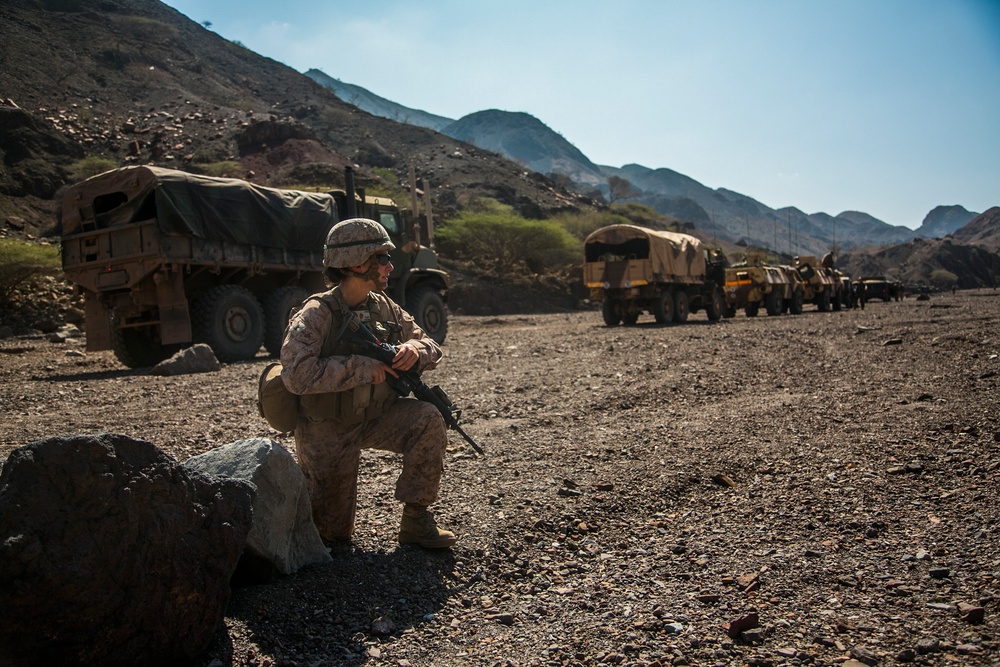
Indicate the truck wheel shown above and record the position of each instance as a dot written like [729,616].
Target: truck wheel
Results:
[681,307]
[730,311]
[751,309]
[428,309]
[663,308]
[230,320]
[716,306]
[137,348]
[823,303]
[836,302]
[796,307]
[774,303]
[608,312]
[278,305]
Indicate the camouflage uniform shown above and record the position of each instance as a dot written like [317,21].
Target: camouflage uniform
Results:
[329,450]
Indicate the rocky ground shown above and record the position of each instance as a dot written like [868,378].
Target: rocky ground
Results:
[819,489]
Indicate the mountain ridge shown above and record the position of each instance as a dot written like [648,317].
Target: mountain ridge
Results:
[737,216]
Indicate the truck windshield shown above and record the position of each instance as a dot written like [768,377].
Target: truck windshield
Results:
[390,222]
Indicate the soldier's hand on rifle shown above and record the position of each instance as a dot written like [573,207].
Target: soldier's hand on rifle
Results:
[380,370]
[406,357]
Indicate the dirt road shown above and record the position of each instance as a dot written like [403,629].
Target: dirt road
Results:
[648,491]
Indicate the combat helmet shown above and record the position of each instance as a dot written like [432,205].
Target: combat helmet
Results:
[351,242]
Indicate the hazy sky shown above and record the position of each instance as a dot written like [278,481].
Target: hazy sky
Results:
[890,107]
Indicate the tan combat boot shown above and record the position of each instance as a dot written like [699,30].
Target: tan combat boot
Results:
[418,527]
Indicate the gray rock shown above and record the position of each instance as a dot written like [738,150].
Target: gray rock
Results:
[283,538]
[195,359]
[111,553]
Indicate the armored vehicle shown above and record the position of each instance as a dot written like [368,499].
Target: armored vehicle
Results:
[821,285]
[753,284]
[165,259]
[632,269]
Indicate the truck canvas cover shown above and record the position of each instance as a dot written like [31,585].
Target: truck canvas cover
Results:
[672,256]
[203,207]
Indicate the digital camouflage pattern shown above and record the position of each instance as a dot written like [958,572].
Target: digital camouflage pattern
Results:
[328,450]
[353,241]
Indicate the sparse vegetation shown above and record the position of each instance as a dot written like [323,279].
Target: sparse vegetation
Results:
[90,166]
[22,262]
[494,236]
[943,278]
[223,169]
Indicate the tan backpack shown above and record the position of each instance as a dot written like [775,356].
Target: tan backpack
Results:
[275,403]
[278,406]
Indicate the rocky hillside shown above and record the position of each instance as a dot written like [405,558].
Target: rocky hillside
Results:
[984,229]
[134,81]
[88,87]
[729,215]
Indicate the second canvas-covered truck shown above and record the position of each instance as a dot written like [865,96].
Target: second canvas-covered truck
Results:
[633,269]
[165,259]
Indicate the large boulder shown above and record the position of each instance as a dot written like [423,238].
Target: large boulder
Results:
[112,553]
[283,538]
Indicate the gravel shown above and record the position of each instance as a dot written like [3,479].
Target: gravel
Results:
[818,489]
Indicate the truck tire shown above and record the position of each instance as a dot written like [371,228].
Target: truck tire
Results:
[836,302]
[137,348]
[681,307]
[663,308]
[796,306]
[823,301]
[278,305]
[427,308]
[715,306]
[609,314]
[774,304]
[751,309]
[230,320]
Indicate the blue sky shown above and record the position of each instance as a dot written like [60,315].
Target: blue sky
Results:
[890,107]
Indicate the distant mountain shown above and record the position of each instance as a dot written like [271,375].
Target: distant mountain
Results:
[721,213]
[944,220]
[983,229]
[378,106]
[527,140]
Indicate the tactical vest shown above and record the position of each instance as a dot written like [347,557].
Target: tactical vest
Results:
[364,402]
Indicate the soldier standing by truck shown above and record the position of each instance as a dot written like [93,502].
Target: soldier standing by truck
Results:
[346,404]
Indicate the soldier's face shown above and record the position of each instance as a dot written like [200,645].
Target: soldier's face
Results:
[379,268]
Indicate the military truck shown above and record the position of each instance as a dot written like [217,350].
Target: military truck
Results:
[877,287]
[821,285]
[753,284]
[632,269]
[165,259]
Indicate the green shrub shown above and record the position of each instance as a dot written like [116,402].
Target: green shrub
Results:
[223,169]
[90,166]
[580,225]
[22,262]
[943,278]
[492,235]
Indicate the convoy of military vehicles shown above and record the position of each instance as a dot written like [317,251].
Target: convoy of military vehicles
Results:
[631,270]
[166,259]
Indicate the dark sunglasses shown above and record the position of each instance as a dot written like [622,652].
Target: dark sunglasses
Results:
[382,259]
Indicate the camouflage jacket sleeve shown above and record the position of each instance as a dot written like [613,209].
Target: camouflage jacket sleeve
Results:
[304,370]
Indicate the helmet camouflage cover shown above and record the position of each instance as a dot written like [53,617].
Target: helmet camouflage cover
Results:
[351,242]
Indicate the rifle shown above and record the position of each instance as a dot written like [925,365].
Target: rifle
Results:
[365,343]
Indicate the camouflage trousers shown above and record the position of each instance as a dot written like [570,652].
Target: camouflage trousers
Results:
[329,454]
